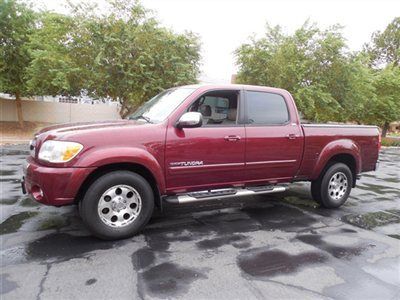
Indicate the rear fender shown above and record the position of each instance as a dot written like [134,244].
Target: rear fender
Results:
[342,146]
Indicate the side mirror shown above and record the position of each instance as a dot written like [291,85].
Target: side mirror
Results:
[190,120]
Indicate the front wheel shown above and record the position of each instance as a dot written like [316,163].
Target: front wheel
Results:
[117,205]
[333,187]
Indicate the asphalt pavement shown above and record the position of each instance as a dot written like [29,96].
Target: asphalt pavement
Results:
[280,246]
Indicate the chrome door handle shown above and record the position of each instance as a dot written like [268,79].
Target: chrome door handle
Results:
[291,136]
[232,138]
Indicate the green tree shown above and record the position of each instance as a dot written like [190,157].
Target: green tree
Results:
[17,23]
[56,67]
[385,46]
[387,104]
[311,64]
[125,55]
[384,52]
[328,82]
[360,91]
[137,58]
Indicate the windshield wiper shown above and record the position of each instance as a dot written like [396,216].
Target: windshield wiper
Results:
[147,119]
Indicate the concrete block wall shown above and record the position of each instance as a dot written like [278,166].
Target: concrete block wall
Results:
[55,112]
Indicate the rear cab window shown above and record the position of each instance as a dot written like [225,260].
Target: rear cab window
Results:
[264,108]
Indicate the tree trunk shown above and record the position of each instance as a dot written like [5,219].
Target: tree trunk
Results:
[123,110]
[385,129]
[19,109]
[124,114]
[126,111]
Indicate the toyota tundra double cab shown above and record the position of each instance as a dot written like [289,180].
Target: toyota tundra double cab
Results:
[191,144]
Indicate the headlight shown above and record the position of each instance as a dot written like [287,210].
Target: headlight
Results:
[59,152]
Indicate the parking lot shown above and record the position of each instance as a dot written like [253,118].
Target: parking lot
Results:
[264,247]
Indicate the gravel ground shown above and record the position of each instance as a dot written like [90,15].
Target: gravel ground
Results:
[266,247]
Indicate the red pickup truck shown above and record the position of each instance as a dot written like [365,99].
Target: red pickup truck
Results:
[191,144]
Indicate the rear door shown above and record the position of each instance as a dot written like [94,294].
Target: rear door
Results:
[211,155]
[274,140]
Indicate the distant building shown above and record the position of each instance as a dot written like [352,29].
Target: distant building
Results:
[83,99]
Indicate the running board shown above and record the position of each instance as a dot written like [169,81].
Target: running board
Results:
[223,193]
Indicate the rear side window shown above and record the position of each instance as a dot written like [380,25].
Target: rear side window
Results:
[266,108]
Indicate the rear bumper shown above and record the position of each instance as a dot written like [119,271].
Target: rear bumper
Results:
[376,165]
[52,186]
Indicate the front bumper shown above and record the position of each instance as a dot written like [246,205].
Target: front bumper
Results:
[52,186]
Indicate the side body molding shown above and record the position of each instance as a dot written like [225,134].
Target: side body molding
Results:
[341,146]
[101,156]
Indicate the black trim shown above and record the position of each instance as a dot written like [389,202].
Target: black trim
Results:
[242,108]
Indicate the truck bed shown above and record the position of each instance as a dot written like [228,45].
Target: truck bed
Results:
[322,137]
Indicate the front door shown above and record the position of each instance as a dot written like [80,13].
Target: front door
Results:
[211,155]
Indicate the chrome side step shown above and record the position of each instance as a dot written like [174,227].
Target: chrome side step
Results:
[223,193]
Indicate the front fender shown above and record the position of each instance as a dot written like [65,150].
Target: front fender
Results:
[342,146]
[98,157]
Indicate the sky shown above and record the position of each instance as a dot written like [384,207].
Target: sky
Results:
[224,25]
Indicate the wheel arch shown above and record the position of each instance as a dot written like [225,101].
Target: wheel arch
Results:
[339,151]
[124,166]
[348,160]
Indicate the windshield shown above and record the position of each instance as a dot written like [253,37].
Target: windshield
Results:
[158,108]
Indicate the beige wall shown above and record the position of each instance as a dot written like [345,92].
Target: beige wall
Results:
[55,112]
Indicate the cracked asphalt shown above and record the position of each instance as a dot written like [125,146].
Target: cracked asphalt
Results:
[266,247]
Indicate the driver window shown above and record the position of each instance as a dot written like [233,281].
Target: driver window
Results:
[217,108]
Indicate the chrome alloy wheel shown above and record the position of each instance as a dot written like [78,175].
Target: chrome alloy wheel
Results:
[337,186]
[119,206]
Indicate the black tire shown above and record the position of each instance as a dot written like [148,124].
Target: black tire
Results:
[88,209]
[80,208]
[322,188]
[315,190]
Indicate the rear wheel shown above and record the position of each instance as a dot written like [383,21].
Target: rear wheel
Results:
[117,205]
[333,187]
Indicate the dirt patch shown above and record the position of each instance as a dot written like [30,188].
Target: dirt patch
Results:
[13,223]
[11,133]
[373,219]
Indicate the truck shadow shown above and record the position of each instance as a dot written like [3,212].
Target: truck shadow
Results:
[209,227]
[58,235]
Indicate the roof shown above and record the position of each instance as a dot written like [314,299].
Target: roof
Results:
[235,86]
